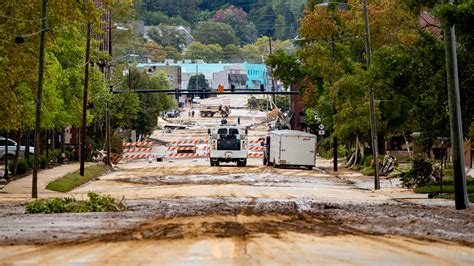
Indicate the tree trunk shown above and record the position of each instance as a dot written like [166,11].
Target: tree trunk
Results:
[53,144]
[17,152]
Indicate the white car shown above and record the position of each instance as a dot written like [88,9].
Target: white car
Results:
[197,99]
[228,144]
[12,148]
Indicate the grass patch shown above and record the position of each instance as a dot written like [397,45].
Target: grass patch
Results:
[448,188]
[96,203]
[73,180]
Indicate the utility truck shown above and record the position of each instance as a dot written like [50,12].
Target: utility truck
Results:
[228,144]
[290,148]
[211,110]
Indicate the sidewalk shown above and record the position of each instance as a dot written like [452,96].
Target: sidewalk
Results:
[21,188]
[389,187]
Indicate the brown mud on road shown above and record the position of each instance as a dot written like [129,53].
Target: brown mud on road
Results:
[255,179]
[201,217]
[241,231]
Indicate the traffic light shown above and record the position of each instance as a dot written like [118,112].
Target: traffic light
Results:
[262,87]
[177,93]
[232,88]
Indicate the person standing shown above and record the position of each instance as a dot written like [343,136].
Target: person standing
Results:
[238,120]
[192,113]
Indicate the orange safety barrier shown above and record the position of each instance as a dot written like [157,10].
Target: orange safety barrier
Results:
[182,148]
[138,150]
[136,144]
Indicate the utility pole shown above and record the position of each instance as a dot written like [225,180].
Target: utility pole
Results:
[39,91]
[107,108]
[271,72]
[460,190]
[5,175]
[84,102]
[373,125]
[334,138]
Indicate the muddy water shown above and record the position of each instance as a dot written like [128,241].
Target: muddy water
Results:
[288,248]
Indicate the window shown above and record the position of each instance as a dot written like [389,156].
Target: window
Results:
[222,131]
[233,131]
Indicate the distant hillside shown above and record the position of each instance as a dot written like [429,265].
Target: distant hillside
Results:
[248,18]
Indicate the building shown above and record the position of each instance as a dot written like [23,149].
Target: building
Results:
[242,75]
[173,73]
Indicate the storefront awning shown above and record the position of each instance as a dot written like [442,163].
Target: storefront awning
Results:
[238,78]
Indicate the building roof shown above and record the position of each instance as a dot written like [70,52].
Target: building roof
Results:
[204,67]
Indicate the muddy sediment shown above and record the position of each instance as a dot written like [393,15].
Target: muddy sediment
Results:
[243,218]
[258,179]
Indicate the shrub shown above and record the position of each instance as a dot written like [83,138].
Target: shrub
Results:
[70,156]
[43,161]
[116,144]
[324,148]
[420,174]
[366,160]
[96,203]
[21,168]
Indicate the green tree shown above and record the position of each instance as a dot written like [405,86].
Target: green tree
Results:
[237,19]
[208,53]
[200,85]
[211,32]
[167,35]
[232,54]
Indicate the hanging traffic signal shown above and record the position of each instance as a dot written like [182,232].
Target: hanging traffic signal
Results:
[177,93]
[262,87]
[232,88]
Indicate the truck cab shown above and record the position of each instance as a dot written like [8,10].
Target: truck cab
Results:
[228,144]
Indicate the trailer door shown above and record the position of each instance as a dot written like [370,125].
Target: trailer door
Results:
[297,150]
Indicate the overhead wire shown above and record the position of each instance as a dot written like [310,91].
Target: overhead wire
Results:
[19,19]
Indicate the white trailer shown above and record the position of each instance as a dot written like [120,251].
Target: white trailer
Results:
[290,148]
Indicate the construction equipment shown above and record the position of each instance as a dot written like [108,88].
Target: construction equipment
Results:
[211,110]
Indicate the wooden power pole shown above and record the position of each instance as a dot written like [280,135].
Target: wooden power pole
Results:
[84,102]
[39,92]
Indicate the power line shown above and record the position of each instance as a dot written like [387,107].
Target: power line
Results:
[19,19]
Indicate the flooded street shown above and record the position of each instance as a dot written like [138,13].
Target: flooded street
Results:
[185,212]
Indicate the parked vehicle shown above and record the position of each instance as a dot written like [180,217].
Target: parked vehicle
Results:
[197,99]
[172,113]
[211,110]
[290,148]
[12,148]
[228,144]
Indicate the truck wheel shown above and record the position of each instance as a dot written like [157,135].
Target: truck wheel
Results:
[309,168]
[244,163]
